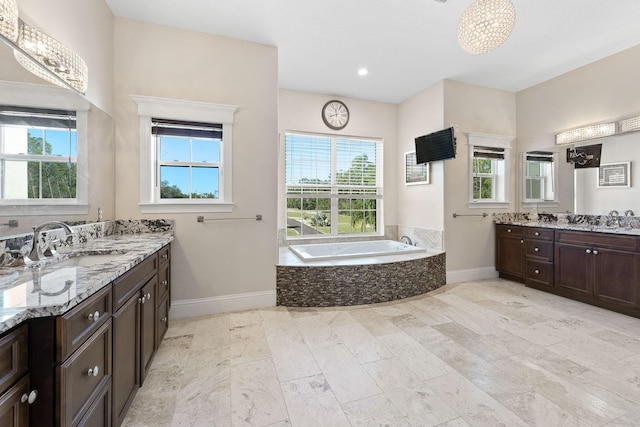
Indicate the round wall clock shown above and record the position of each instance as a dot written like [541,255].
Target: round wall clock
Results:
[335,114]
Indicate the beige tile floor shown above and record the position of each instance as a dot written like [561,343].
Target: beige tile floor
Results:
[487,353]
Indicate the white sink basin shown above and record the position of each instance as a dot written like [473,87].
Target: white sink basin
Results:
[87,260]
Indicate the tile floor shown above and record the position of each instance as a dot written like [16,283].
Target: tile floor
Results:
[487,353]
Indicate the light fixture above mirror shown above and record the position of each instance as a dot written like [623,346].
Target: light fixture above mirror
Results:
[9,19]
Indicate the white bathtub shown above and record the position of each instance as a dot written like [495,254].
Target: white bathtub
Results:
[373,248]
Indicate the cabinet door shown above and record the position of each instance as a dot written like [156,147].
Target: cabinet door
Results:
[617,275]
[573,265]
[148,326]
[99,413]
[14,412]
[509,256]
[126,357]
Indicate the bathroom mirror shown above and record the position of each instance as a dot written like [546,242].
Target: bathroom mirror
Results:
[539,180]
[99,179]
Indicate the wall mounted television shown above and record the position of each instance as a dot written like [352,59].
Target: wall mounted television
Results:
[436,146]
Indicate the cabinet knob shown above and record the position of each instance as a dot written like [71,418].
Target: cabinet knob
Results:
[30,398]
[595,252]
[536,271]
[143,299]
[508,230]
[164,319]
[93,372]
[536,234]
[164,282]
[165,256]
[536,249]
[588,251]
[521,241]
[148,296]
[94,317]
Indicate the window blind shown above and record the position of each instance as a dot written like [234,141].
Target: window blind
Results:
[37,117]
[540,156]
[162,127]
[480,152]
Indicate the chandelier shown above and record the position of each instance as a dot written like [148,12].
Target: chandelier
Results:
[485,25]
[9,19]
[53,55]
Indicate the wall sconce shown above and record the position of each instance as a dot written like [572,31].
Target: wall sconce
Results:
[585,133]
[9,19]
[53,55]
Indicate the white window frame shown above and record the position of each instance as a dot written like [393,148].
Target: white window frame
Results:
[334,194]
[52,97]
[501,190]
[549,183]
[173,109]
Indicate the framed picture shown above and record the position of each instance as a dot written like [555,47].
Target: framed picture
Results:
[415,174]
[614,175]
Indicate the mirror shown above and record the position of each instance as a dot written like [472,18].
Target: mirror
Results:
[538,180]
[99,178]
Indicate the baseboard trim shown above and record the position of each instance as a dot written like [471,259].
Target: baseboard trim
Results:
[222,304]
[471,274]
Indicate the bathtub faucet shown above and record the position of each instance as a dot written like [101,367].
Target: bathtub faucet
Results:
[407,240]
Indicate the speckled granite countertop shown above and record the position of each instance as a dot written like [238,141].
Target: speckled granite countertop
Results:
[591,223]
[52,288]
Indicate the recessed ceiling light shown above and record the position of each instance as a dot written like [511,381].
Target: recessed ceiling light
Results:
[363,71]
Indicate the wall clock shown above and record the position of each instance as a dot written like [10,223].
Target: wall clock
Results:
[335,114]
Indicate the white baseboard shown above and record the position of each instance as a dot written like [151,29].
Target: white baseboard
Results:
[471,274]
[223,304]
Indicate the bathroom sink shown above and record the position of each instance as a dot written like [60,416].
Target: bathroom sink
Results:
[87,260]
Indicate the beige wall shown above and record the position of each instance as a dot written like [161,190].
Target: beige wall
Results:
[220,258]
[420,205]
[469,241]
[608,89]
[300,111]
[87,28]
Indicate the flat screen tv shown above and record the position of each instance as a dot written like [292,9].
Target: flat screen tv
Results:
[435,146]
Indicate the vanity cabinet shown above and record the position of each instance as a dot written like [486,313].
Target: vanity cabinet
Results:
[538,258]
[15,394]
[510,251]
[600,267]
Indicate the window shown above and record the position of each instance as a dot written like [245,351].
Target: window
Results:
[43,150]
[488,172]
[185,156]
[333,185]
[539,185]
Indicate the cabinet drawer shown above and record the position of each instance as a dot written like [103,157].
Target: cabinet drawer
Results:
[129,283]
[509,230]
[538,233]
[163,282]
[599,240]
[539,271]
[539,249]
[74,327]
[162,320]
[164,255]
[83,375]
[13,357]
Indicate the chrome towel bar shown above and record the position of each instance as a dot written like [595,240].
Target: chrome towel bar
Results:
[483,215]
[201,218]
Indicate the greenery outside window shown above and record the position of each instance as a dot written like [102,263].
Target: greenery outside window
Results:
[333,185]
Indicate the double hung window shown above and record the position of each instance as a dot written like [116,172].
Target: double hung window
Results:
[489,158]
[38,154]
[539,182]
[333,185]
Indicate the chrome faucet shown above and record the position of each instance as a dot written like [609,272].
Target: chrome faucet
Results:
[629,212]
[614,216]
[36,253]
[407,240]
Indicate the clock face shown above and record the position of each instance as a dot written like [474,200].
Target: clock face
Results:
[335,115]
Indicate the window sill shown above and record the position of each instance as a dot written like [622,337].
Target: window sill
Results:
[185,207]
[51,208]
[488,205]
[545,204]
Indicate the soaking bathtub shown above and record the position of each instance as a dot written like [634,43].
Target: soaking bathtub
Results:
[336,251]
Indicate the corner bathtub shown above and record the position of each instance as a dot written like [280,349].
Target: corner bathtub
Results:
[335,251]
[355,273]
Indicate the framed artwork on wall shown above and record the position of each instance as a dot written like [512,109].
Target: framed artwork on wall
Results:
[614,175]
[415,174]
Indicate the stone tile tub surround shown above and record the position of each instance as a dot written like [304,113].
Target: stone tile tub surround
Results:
[21,301]
[345,285]
[597,223]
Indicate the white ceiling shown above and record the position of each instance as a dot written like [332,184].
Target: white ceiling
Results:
[407,44]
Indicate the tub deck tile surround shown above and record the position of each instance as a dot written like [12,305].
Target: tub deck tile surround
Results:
[343,285]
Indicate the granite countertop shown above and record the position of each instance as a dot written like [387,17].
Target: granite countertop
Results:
[589,223]
[52,289]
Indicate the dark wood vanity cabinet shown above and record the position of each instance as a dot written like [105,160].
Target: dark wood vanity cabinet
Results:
[15,394]
[538,258]
[600,267]
[510,251]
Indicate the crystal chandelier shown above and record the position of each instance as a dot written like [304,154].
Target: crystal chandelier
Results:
[9,19]
[53,55]
[485,25]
